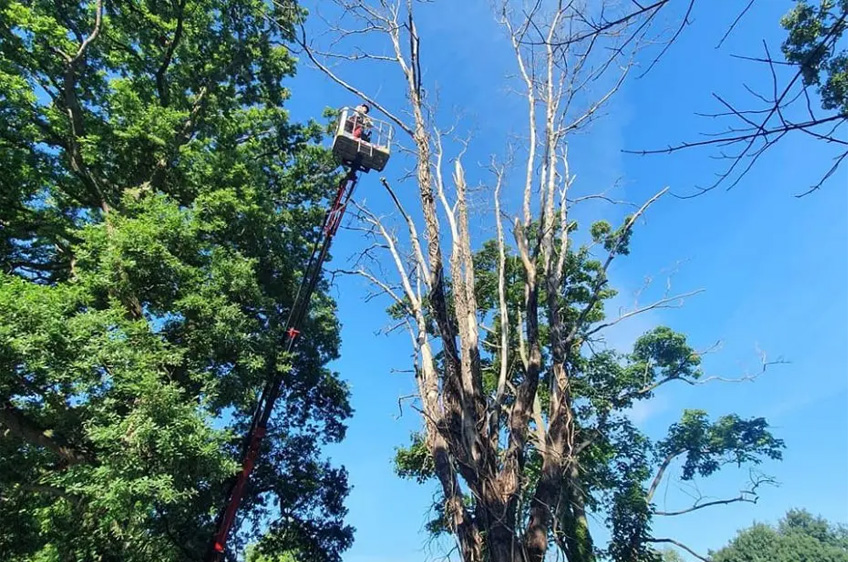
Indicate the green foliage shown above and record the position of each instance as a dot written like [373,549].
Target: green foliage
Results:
[708,446]
[617,240]
[618,461]
[799,537]
[253,554]
[670,555]
[415,461]
[156,207]
[814,36]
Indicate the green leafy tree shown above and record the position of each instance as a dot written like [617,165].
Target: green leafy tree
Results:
[253,554]
[670,555]
[156,206]
[620,468]
[799,537]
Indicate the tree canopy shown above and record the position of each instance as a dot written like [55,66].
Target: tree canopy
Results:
[524,425]
[618,467]
[798,537]
[156,207]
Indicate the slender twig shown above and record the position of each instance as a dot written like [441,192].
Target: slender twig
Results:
[681,545]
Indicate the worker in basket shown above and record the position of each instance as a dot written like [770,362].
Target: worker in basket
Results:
[358,124]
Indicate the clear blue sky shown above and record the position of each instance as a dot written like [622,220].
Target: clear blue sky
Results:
[774,269]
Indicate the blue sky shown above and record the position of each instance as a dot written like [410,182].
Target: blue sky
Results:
[774,268]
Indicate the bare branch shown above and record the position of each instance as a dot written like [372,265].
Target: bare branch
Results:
[402,399]
[373,279]
[599,28]
[515,37]
[675,301]
[748,495]
[676,375]
[412,231]
[735,23]
[660,474]
[742,497]
[401,268]
[602,278]
[759,135]
[762,133]
[504,311]
[358,56]
[601,197]
[681,545]
[764,363]
[347,86]
[668,44]
[837,162]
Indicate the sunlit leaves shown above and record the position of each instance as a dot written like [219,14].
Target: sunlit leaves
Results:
[707,446]
[156,209]
[799,537]
[813,44]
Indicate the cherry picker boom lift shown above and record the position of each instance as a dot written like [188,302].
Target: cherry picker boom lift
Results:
[356,155]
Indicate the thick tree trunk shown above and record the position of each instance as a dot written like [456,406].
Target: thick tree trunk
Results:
[496,509]
[503,545]
[536,537]
[458,519]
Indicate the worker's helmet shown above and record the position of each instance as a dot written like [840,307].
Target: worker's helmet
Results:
[365,107]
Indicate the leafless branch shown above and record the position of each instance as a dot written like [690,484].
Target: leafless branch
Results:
[766,126]
[681,545]
[412,230]
[401,400]
[684,22]
[601,276]
[600,197]
[675,301]
[765,364]
[735,23]
[370,218]
[748,495]
[602,26]
[504,310]
[385,288]
[349,87]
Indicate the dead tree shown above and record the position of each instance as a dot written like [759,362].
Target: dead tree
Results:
[495,404]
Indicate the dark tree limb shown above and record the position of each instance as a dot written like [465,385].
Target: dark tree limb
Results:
[743,497]
[758,135]
[161,84]
[21,426]
[749,495]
